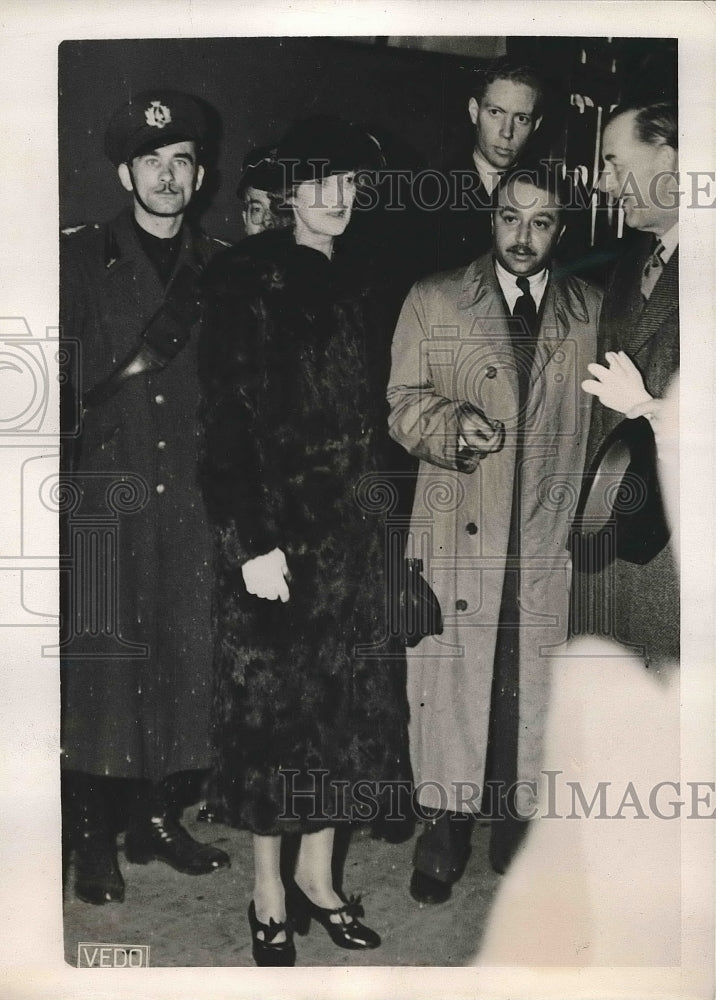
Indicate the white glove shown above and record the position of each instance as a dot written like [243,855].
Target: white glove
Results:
[620,386]
[266,576]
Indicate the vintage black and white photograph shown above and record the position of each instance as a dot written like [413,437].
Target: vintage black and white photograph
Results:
[368,505]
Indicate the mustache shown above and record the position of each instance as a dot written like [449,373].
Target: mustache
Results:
[521,248]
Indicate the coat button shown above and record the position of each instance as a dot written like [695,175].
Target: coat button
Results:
[161,445]
[159,399]
[471,528]
[491,372]
[160,487]
[461,605]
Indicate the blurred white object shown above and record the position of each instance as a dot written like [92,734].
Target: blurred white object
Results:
[599,886]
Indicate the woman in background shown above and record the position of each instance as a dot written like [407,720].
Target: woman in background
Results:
[308,694]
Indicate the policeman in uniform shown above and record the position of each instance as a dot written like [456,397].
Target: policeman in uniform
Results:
[136,642]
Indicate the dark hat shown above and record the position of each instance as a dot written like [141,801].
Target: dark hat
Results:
[620,512]
[261,170]
[320,146]
[153,119]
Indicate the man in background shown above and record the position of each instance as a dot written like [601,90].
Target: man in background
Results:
[260,191]
[505,110]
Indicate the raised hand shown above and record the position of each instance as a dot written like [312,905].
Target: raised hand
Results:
[619,386]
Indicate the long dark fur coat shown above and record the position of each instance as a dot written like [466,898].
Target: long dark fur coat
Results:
[293,371]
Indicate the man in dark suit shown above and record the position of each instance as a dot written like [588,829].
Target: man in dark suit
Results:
[639,604]
[505,110]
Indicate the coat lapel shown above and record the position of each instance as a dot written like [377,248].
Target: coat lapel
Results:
[481,295]
[661,306]
[564,303]
[129,273]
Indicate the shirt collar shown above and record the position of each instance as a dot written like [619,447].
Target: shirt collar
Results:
[488,175]
[508,284]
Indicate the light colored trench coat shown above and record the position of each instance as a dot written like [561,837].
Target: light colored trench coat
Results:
[452,345]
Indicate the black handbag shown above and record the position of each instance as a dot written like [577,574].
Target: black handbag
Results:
[419,611]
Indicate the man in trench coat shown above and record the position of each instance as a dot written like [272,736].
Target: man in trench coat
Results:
[485,391]
[136,639]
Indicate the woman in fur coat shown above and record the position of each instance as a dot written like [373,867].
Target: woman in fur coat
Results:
[309,709]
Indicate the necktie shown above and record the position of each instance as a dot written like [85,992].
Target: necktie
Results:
[525,309]
[652,270]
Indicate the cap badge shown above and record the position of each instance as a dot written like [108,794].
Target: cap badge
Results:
[158,115]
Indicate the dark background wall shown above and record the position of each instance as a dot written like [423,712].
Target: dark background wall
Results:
[415,102]
[258,87]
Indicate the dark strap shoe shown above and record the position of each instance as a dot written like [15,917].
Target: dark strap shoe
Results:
[162,838]
[266,950]
[346,931]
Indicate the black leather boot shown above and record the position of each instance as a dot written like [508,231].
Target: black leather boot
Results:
[155,834]
[98,879]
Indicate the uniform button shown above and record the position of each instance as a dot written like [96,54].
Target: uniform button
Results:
[461,605]
[160,487]
[491,372]
[161,445]
[159,399]
[471,528]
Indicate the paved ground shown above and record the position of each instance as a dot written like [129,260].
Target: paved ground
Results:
[202,921]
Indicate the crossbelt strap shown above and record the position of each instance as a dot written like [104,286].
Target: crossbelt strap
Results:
[166,334]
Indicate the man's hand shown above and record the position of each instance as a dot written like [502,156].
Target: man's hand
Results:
[265,576]
[620,386]
[479,432]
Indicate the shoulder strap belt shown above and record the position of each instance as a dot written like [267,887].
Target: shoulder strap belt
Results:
[166,334]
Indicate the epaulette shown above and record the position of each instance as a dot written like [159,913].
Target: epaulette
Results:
[73,230]
[221,243]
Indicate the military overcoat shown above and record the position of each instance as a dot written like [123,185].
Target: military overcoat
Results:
[136,654]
